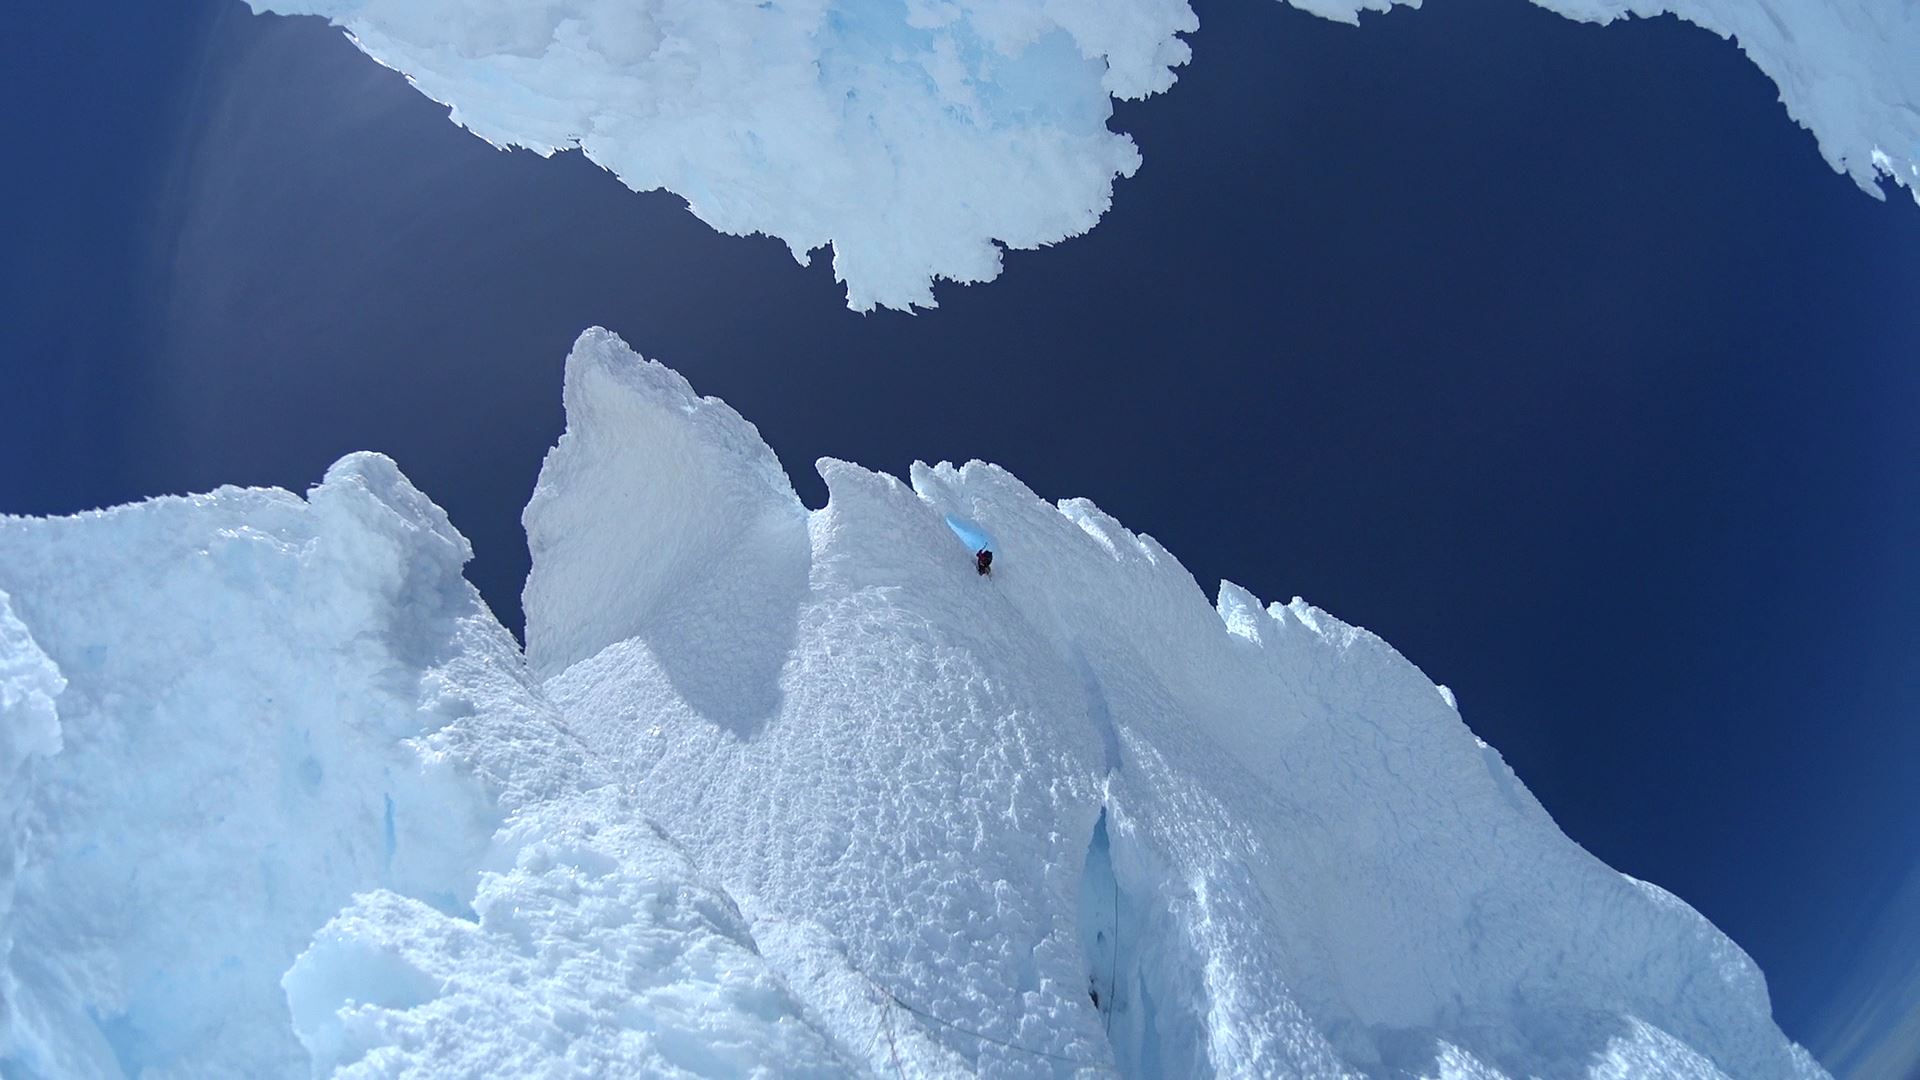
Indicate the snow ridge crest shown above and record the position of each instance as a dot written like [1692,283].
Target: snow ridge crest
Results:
[772,790]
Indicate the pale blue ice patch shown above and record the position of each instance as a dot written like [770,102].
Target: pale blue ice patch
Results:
[970,533]
[389,833]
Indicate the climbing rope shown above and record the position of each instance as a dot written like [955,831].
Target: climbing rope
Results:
[892,1050]
[967,1031]
[867,1051]
[1113,968]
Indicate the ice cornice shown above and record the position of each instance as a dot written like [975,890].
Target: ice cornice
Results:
[920,139]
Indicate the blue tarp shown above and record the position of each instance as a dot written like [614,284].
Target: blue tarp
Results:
[970,533]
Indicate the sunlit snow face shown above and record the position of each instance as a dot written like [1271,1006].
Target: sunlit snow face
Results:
[766,783]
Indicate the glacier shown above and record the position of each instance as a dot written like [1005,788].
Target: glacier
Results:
[921,138]
[771,791]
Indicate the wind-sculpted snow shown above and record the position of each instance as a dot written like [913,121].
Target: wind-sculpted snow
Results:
[794,793]
[223,718]
[30,685]
[242,675]
[705,513]
[914,137]
[919,137]
[594,950]
[1315,867]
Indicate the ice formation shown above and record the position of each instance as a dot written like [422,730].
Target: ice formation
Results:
[919,137]
[771,791]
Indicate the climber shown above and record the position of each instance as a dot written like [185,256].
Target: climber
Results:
[983,561]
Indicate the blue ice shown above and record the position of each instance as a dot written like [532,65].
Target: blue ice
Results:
[970,533]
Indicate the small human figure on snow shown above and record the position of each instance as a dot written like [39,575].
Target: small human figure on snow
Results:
[983,561]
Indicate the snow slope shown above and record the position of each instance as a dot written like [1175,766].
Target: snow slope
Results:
[289,728]
[919,137]
[772,792]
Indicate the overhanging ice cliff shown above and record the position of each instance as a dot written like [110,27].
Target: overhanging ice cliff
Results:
[771,791]
[919,138]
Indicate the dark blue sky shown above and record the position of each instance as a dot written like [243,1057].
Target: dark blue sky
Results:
[1552,353]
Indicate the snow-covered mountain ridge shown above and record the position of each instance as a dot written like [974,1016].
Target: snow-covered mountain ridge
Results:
[771,791]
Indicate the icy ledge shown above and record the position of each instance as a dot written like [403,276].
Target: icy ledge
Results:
[771,792]
[920,137]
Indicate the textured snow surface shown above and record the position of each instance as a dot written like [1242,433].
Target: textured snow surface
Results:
[277,708]
[918,137]
[911,135]
[773,792]
[593,950]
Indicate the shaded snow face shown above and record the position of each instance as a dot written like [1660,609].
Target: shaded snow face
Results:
[241,675]
[243,728]
[772,792]
[919,137]
[914,136]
